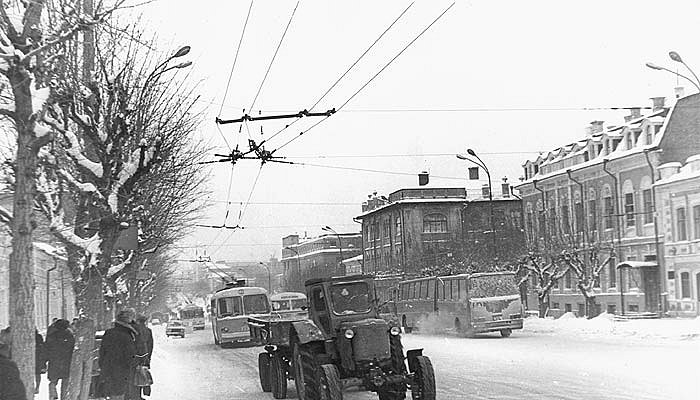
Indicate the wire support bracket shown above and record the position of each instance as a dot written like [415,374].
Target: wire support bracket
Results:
[300,114]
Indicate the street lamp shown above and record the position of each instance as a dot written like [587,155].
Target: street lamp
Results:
[298,261]
[481,164]
[184,50]
[269,277]
[340,244]
[660,68]
[677,58]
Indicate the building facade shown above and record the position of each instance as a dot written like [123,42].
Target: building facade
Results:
[678,199]
[318,257]
[421,228]
[598,193]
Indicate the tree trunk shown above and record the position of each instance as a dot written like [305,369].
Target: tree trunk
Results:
[544,305]
[22,319]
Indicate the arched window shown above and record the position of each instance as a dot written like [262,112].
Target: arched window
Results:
[647,201]
[685,285]
[628,190]
[435,223]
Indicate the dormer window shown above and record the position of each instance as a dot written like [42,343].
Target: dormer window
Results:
[630,143]
[537,168]
[586,157]
[648,136]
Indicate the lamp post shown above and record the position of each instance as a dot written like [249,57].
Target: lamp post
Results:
[48,290]
[298,262]
[677,58]
[660,68]
[340,244]
[481,164]
[269,277]
[182,51]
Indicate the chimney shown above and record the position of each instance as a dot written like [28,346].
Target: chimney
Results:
[680,91]
[658,102]
[597,126]
[423,178]
[505,189]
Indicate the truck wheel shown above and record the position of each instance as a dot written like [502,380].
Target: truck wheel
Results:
[278,375]
[506,332]
[264,371]
[304,372]
[423,387]
[329,383]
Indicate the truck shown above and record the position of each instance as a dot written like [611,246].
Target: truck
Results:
[342,343]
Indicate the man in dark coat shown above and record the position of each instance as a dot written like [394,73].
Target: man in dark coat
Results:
[59,352]
[11,386]
[144,349]
[117,356]
[40,359]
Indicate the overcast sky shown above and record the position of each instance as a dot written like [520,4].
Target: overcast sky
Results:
[506,78]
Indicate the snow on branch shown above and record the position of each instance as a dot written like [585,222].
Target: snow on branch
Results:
[5,215]
[139,158]
[83,187]
[76,149]
[115,269]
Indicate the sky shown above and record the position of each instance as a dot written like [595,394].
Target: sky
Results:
[506,78]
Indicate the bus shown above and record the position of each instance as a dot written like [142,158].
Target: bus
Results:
[192,316]
[230,308]
[289,303]
[467,303]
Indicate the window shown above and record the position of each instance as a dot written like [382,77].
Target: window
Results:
[318,300]
[611,308]
[581,309]
[387,228]
[685,285]
[230,307]
[556,285]
[565,218]
[633,308]
[435,223]
[398,226]
[592,216]
[630,143]
[578,210]
[648,136]
[567,307]
[681,224]
[555,306]
[629,209]
[567,280]
[431,289]
[256,304]
[696,222]
[609,212]
[648,206]
[552,219]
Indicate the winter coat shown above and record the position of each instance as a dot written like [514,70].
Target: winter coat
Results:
[117,359]
[144,344]
[40,361]
[11,387]
[59,352]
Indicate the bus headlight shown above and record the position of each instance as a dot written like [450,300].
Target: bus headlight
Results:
[224,329]
[395,330]
[349,333]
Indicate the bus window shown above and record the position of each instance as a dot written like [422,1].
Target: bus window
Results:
[412,290]
[255,304]
[463,289]
[230,307]
[318,300]
[431,288]
[298,304]
[403,292]
[213,307]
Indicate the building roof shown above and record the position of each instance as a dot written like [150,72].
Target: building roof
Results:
[437,200]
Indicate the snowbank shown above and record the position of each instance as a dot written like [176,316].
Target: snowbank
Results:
[606,325]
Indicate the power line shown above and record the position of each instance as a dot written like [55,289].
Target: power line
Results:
[370,170]
[235,58]
[409,155]
[274,56]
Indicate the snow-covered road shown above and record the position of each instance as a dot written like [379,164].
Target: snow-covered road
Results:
[525,366]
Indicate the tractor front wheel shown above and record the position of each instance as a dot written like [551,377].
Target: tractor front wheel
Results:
[329,383]
[264,371]
[278,377]
[304,372]
[423,387]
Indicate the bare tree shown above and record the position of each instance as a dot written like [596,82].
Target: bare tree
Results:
[547,270]
[586,264]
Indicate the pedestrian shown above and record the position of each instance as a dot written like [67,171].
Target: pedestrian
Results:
[52,326]
[117,356]
[144,349]
[11,386]
[59,353]
[40,359]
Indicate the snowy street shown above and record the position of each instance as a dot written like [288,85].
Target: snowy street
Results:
[527,365]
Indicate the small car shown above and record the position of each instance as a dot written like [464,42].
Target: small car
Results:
[175,328]
[155,321]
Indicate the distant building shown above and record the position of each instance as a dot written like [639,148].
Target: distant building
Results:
[317,257]
[678,199]
[422,227]
[597,191]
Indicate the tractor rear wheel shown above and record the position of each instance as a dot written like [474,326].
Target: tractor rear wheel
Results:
[330,387]
[304,372]
[278,377]
[264,371]
[423,387]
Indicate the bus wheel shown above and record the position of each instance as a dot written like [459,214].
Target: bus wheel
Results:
[264,371]
[458,325]
[278,377]
[506,332]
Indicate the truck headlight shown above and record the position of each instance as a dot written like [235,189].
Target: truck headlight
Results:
[224,329]
[395,330]
[349,333]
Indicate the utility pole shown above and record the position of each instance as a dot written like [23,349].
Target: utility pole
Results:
[48,291]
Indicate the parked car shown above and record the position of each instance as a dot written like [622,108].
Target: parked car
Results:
[175,328]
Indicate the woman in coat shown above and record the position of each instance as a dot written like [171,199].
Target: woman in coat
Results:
[117,356]
[40,360]
[59,352]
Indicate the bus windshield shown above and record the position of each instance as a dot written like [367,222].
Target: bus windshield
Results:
[298,304]
[256,304]
[493,286]
[350,298]
[230,307]
[280,305]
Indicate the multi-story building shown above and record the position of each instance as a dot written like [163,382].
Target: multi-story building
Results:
[317,257]
[431,226]
[678,200]
[597,193]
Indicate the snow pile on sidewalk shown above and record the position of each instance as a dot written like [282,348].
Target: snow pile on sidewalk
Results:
[606,325]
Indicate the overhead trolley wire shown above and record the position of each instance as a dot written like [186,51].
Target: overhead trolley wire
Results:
[346,71]
[273,57]
[371,79]
[235,58]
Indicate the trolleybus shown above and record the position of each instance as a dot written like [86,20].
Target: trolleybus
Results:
[230,308]
[192,316]
[289,303]
[469,303]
